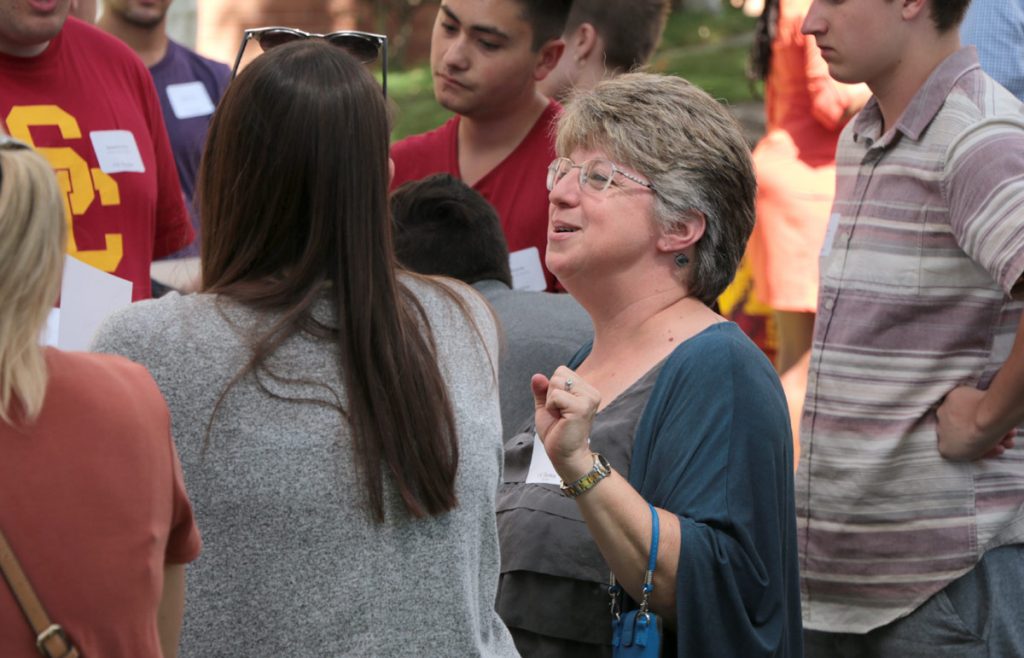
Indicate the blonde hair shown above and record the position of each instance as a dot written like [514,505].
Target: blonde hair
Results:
[690,148]
[32,235]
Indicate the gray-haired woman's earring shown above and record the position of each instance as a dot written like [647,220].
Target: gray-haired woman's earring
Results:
[682,260]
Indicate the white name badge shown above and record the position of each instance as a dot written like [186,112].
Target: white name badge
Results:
[542,471]
[116,151]
[830,234]
[527,273]
[189,100]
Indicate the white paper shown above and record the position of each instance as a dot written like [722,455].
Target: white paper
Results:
[830,234]
[527,273]
[542,471]
[50,333]
[189,100]
[87,297]
[116,151]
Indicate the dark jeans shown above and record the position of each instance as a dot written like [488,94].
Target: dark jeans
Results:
[979,614]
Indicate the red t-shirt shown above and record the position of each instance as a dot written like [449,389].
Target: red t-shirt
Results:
[88,105]
[516,187]
[94,505]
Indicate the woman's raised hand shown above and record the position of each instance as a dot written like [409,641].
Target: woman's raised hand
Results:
[565,408]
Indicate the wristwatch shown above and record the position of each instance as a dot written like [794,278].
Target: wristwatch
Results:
[601,470]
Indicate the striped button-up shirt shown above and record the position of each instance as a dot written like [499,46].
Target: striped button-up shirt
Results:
[923,257]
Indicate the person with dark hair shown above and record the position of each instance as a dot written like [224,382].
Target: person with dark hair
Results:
[444,227]
[337,418]
[910,490]
[603,38]
[486,59]
[805,109]
[652,200]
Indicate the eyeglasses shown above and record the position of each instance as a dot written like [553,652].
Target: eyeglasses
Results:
[596,174]
[364,46]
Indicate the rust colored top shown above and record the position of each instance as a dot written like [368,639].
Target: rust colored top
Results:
[93,504]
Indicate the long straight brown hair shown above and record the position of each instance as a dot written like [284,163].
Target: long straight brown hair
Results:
[293,199]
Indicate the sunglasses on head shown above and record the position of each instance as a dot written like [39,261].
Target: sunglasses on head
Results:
[364,46]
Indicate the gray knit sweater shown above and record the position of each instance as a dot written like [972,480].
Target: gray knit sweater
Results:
[292,565]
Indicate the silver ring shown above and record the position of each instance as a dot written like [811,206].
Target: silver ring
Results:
[568,385]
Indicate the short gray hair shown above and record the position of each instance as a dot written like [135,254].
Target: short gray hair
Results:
[690,148]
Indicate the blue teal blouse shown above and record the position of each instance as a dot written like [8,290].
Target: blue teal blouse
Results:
[714,446]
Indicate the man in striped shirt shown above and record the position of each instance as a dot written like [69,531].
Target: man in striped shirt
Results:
[910,494]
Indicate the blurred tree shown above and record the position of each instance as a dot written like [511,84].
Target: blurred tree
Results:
[711,6]
[401,20]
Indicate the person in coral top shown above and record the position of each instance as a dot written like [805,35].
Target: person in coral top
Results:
[93,501]
[795,162]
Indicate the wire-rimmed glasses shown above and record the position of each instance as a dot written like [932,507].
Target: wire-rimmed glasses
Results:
[364,46]
[596,174]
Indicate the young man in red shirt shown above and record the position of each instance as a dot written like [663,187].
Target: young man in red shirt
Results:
[487,57]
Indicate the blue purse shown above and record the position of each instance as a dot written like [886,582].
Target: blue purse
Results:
[637,633]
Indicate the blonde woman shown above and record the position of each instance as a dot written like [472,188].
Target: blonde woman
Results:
[93,503]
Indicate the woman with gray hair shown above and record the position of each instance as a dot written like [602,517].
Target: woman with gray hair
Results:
[671,418]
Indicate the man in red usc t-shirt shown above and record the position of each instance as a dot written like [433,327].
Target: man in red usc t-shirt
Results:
[486,59]
[86,103]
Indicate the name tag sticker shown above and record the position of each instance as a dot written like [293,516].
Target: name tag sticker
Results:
[189,100]
[527,273]
[542,471]
[830,234]
[117,151]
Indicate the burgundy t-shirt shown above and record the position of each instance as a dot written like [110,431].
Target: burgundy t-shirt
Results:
[516,187]
[88,105]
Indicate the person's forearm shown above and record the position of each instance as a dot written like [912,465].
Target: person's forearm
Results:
[182,274]
[1002,408]
[172,609]
[620,522]
[616,515]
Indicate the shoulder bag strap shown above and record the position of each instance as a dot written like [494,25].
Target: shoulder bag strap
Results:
[652,560]
[50,638]
[614,589]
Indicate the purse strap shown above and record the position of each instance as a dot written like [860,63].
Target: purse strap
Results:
[653,560]
[614,589]
[51,640]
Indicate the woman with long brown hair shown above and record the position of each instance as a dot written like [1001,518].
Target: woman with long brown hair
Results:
[337,418]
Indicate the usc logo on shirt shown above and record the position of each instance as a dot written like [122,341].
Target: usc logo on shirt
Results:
[81,184]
